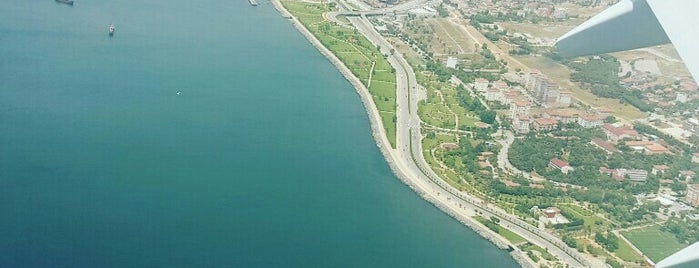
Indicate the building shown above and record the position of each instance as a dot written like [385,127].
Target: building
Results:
[551,212]
[451,62]
[659,169]
[481,84]
[692,196]
[493,94]
[519,107]
[620,174]
[545,124]
[561,165]
[565,99]
[614,134]
[520,124]
[656,149]
[604,145]
[692,125]
[501,85]
[564,116]
[634,175]
[686,175]
[589,120]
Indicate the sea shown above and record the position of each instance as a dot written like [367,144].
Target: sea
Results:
[204,133]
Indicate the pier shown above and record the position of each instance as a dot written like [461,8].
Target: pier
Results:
[253,2]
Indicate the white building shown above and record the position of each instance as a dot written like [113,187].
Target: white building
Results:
[589,120]
[451,62]
[481,84]
[519,107]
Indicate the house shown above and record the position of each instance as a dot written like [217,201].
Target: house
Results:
[521,124]
[589,120]
[561,165]
[695,158]
[604,145]
[692,196]
[481,84]
[659,169]
[545,124]
[614,134]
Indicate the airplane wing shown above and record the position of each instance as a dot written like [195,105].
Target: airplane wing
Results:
[634,24]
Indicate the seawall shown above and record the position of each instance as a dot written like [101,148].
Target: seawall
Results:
[382,143]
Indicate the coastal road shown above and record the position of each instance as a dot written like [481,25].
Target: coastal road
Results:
[408,158]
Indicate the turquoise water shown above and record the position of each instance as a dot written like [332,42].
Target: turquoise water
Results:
[265,158]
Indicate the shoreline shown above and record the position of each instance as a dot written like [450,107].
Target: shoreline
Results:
[381,141]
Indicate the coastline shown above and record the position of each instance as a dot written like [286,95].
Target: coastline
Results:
[379,135]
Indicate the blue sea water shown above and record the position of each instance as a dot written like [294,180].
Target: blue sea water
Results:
[264,159]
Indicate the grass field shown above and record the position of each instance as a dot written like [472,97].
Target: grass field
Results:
[626,253]
[561,75]
[653,242]
[358,54]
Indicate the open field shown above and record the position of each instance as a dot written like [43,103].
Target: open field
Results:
[452,38]
[653,242]
[626,253]
[561,75]
[358,54]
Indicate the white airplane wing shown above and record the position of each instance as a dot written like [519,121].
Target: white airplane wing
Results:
[634,24]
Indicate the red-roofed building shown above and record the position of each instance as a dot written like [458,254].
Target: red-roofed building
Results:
[481,84]
[545,124]
[615,134]
[521,124]
[604,145]
[519,107]
[561,165]
[564,116]
[589,120]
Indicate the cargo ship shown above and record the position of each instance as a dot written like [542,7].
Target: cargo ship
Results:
[67,2]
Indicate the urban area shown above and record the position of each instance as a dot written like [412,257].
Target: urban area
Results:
[599,151]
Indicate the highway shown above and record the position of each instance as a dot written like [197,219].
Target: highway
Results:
[408,158]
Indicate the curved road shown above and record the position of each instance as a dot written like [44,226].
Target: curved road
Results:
[409,159]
